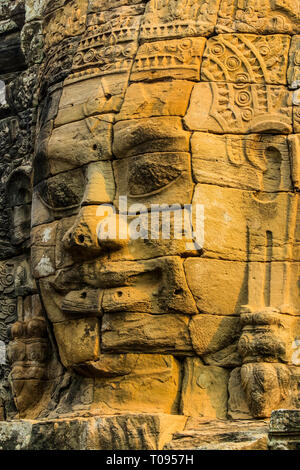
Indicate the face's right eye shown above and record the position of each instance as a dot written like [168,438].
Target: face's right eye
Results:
[147,179]
[62,191]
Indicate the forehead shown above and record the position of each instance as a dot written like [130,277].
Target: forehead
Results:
[125,64]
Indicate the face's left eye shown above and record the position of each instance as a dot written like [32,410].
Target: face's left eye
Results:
[62,191]
[147,178]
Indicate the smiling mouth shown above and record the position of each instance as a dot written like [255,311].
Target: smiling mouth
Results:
[99,276]
[100,301]
[146,286]
[94,288]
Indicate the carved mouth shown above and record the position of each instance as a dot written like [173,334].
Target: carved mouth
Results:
[100,301]
[148,286]
[99,276]
[88,301]
[97,289]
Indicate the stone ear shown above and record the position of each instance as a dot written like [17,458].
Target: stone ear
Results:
[19,187]
[19,201]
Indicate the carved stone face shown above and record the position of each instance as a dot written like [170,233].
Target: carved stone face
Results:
[148,108]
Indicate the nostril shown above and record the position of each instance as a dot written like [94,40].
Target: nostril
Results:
[81,238]
[178,291]
[120,294]
[94,147]
[83,295]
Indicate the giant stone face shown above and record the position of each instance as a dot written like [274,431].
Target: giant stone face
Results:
[161,103]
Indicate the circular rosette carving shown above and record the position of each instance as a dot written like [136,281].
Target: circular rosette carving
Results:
[243,98]
[217,50]
[233,63]
[247,114]
[185,44]
[264,50]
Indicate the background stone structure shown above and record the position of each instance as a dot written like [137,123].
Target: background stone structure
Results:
[165,101]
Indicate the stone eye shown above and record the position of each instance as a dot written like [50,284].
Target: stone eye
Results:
[146,179]
[62,191]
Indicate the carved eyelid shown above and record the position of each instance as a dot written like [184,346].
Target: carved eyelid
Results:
[64,208]
[156,191]
[53,207]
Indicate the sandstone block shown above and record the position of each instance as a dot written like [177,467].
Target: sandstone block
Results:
[141,332]
[85,348]
[104,51]
[156,178]
[108,365]
[211,333]
[242,162]
[156,99]
[294,146]
[43,261]
[228,108]
[237,402]
[60,306]
[100,187]
[269,336]
[152,386]
[40,213]
[296,115]
[227,357]
[78,143]
[161,134]
[123,432]
[45,235]
[224,223]
[293,72]
[284,430]
[63,257]
[62,23]
[217,276]
[237,223]
[101,5]
[204,390]
[201,434]
[164,276]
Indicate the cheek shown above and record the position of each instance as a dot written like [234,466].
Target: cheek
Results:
[43,240]
[47,251]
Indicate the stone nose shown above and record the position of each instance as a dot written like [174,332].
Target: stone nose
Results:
[96,229]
